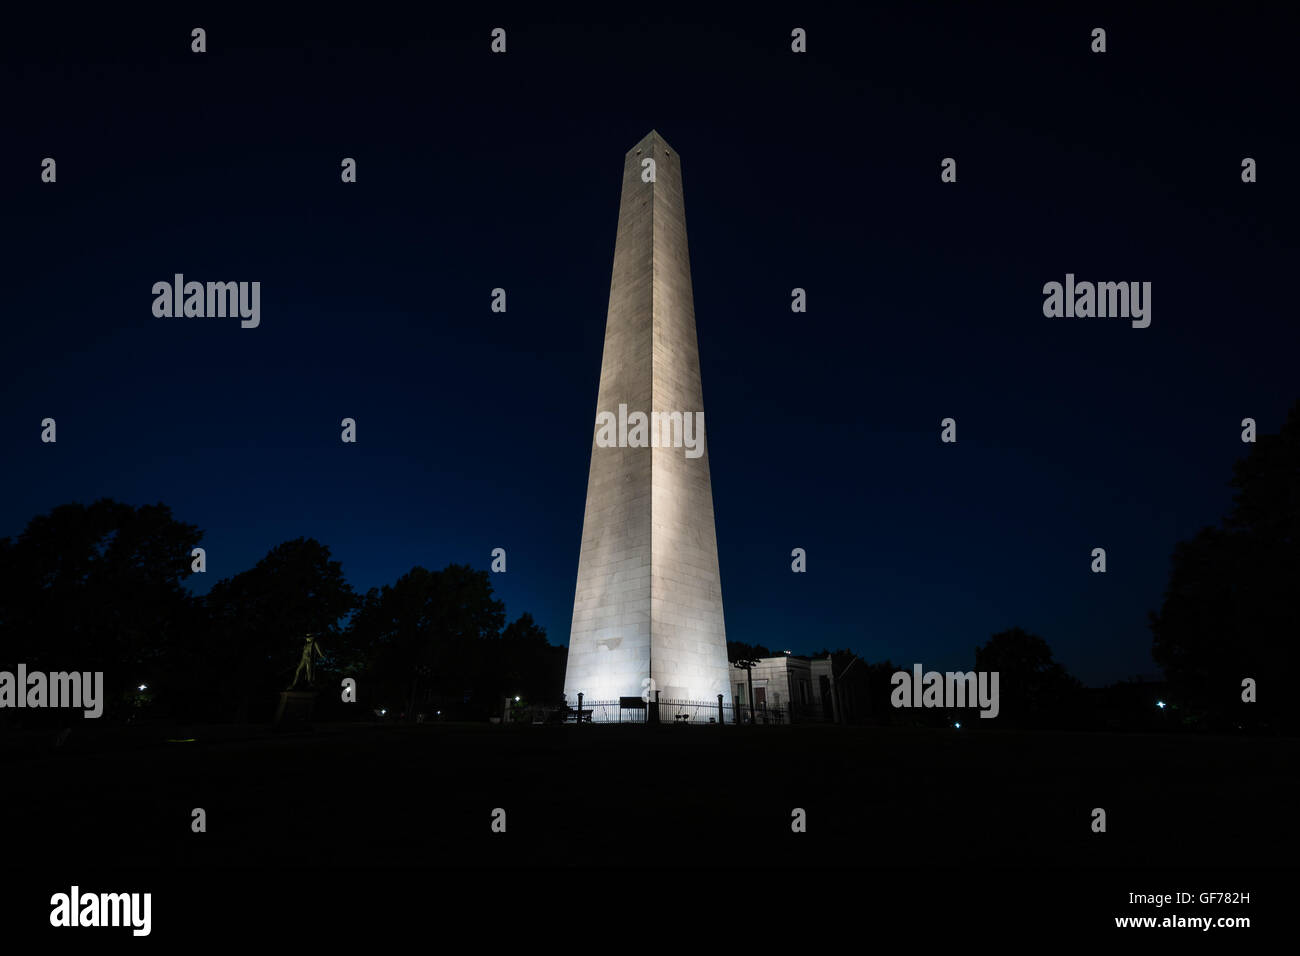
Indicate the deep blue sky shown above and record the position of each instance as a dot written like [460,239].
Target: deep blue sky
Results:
[820,171]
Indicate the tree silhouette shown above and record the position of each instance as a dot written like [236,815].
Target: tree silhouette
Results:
[98,588]
[1230,610]
[745,657]
[259,617]
[429,635]
[527,664]
[1033,689]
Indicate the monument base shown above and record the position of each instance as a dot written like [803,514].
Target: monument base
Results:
[294,712]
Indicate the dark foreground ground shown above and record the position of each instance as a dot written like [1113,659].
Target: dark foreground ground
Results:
[605,796]
[611,804]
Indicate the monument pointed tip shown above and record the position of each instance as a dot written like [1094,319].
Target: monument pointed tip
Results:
[654,136]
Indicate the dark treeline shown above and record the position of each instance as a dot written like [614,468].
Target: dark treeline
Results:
[1034,691]
[99,588]
[1231,611]
[1225,636]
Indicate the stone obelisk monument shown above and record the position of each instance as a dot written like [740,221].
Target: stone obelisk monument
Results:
[649,600]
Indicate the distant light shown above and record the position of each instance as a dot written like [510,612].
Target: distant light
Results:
[382,712]
[516,700]
[1160,704]
[440,713]
[143,687]
[957,725]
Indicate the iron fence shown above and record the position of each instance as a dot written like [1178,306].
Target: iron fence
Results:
[678,712]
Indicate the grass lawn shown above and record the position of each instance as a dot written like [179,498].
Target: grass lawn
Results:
[610,796]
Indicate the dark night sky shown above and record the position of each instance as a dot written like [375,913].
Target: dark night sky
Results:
[820,171]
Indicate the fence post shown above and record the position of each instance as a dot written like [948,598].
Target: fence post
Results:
[722,719]
[579,708]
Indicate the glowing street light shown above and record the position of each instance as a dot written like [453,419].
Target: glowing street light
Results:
[1160,704]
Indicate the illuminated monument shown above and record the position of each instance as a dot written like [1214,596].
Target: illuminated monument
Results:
[648,602]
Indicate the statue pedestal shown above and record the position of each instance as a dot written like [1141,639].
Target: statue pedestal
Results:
[294,712]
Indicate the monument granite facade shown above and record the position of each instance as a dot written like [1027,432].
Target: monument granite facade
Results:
[648,602]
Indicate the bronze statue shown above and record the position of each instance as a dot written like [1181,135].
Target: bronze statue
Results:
[306,662]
